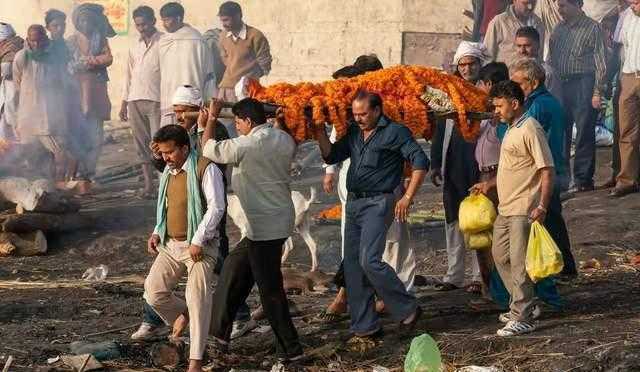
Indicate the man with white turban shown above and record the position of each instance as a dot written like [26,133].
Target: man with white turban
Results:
[453,161]
[10,44]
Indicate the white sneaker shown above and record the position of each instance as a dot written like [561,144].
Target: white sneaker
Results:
[506,317]
[241,328]
[515,328]
[148,332]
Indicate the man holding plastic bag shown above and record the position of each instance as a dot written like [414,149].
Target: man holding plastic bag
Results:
[525,185]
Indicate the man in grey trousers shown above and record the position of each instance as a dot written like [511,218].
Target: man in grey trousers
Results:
[378,149]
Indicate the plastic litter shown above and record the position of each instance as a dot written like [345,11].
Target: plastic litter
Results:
[478,369]
[423,355]
[96,274]
[544,259]
[477,214]
[107,350]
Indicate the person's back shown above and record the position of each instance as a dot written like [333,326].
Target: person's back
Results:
[262,178]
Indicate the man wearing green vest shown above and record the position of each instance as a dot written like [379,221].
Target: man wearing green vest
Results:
[191,203]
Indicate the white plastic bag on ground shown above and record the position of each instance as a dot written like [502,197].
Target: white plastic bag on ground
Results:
[604,137]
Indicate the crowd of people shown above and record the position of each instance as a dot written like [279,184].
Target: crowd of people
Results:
[543,76]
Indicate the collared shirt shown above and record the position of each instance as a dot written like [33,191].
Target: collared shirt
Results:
[214,191]
[501,34]
[142,77]
[577,47]
[548,111]
[630,39]
[488,145]
[242,35]
[377,163]
[523,153]
[261,178]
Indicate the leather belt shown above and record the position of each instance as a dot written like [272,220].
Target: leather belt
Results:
[488,169]
[365,194]
[633,74]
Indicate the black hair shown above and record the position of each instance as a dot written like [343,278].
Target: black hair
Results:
[529,32]
[347,72]
[508,90]
[144,12]
[172,10]
[373,99]
[174,133]
[39,28]
[494,72]
[53,14]
[250,108]
[368,62]
[230,9]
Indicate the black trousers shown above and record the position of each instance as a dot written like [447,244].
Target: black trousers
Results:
[577,93]
[554,223]
[249,263]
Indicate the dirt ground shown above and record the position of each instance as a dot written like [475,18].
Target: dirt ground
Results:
[44,304]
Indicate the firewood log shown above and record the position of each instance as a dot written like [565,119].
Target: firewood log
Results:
[29,244]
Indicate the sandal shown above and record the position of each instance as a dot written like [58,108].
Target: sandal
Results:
[445,287]
[362,344]
[474,288]
[328,318]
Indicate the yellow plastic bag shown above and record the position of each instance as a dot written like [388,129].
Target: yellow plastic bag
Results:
[544,259]
[479,241]
[477,214]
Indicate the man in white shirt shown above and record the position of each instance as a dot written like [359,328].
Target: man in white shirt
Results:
[185,239]
[141,93]
[185,59]
[627,180]
[262,157]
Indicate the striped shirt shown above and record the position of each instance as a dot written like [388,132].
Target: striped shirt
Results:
[577,47]
[630,38]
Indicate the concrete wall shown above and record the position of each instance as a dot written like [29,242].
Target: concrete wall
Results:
[309,38]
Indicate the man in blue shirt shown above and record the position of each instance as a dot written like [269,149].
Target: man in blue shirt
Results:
[548,111]
[378,149]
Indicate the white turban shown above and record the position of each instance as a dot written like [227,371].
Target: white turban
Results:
[471,49]
[187,95]
[6,31]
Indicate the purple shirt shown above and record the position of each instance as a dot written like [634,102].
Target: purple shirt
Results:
[488,146]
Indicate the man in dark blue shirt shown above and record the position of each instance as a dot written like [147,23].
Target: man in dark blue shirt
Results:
[378,149]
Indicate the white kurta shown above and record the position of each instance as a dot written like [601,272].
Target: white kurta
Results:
[42,110]
[185,59]
[8,103]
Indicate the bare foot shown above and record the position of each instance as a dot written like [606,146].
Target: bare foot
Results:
[195,365]
[380,307]
[339,304]
[179,325]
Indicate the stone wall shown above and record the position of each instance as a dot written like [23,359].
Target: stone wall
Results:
[309,38]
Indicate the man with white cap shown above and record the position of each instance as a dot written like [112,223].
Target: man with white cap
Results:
[453,161]
[191,204]
[10,44]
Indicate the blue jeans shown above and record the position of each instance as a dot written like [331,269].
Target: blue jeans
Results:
[367,222]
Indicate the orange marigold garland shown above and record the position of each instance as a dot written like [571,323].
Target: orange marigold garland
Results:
[399,86]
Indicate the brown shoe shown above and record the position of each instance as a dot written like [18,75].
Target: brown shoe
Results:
[619,192]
